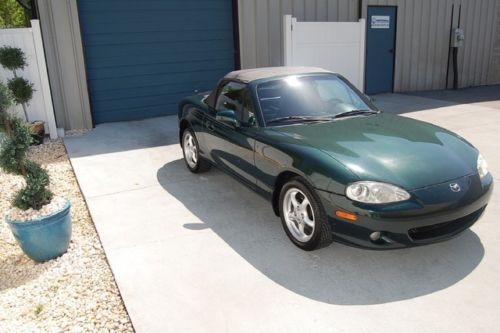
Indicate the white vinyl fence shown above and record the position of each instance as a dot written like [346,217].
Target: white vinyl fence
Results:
[30,41]
[335,46]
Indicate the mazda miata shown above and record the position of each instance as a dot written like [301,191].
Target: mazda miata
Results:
[333,166]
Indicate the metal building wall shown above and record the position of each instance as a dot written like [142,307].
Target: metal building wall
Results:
[422,41]
[475,59]
[494,72]
[65,64]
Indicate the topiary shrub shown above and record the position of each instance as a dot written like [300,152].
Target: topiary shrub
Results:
[35,194]
[6,101]
[12,58]
[15,146]
[13,159]
[22,89]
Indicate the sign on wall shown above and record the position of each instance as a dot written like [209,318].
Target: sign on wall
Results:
[380,22]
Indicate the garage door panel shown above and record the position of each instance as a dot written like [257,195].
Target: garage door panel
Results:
[152,69]
[134,50]
[142,57]
[138,92]
[159,36]
[187,77]
[174,17]
[176,21]
[157,59]
[144,101]
[152,5]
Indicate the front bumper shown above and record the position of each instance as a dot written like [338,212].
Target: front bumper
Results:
[433,214]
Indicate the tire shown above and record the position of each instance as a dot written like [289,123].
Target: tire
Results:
[296,216]
[191,152]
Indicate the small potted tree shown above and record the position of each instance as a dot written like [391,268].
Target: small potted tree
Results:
[40,222]
[13,59]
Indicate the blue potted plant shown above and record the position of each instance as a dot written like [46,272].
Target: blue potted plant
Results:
[40,223]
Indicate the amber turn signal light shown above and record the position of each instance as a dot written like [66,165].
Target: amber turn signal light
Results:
[346,215]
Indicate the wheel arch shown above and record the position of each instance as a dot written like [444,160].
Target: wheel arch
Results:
[182,127]
[281,180]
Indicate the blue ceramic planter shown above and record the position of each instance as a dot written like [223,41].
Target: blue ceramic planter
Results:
[45,238]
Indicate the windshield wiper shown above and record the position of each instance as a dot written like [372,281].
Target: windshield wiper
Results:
[298,118]
[355,113]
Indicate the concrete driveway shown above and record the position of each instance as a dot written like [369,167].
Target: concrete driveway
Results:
[202,253]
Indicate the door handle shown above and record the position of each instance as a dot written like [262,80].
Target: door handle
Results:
[391,50]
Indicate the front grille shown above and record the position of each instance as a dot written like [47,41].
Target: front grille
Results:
[444,229]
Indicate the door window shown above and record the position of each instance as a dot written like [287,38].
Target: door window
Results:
[236,97]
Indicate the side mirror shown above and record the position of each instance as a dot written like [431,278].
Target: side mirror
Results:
[228,117]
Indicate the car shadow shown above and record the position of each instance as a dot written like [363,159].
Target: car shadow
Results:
[338,274]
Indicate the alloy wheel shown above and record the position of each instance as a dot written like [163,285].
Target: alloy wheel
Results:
[190,150]
[298,214]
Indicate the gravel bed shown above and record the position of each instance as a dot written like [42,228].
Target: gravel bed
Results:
[73,293]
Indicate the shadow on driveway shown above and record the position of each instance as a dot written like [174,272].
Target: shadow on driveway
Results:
[124,136]
[338,274]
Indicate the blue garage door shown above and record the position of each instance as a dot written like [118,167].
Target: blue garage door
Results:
[143,56]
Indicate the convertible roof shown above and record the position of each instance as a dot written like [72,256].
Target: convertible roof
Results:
[249,75]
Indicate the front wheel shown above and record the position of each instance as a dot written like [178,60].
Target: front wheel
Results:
[191,152]
[303,217]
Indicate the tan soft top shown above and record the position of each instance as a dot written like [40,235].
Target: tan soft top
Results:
[249,75]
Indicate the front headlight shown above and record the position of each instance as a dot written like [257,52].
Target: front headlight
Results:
[482,166]
[376,193]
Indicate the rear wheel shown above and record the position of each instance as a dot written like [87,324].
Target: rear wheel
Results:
[303,217]
[191,152]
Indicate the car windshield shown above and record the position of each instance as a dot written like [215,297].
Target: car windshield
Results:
[320,97]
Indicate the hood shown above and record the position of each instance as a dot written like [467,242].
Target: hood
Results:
[392,149]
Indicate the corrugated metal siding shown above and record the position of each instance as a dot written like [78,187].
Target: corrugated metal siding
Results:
[142,57]
[494,72]
[64,55]
[422,37]
[478,22]
[422,42]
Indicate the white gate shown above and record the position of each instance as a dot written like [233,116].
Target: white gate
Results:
[30,41]
[335,46]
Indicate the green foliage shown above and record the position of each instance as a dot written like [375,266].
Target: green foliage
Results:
[13,15]
[6,101]
[22,89]
[35,194]
[13,151]
[13,160]
[12,58]
[5,98]
[38,309]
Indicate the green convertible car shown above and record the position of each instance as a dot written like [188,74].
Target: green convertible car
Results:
[333,166]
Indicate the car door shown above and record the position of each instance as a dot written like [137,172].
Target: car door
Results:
[230,143]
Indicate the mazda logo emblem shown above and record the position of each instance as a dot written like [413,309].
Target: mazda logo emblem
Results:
[455,187]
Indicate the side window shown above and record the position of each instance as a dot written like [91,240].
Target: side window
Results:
[235,96]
